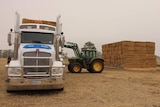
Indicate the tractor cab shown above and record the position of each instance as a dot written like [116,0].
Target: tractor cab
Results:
[89,53]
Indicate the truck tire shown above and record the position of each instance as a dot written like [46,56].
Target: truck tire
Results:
[76,67]
[96,66]
[10,91]
[61,89]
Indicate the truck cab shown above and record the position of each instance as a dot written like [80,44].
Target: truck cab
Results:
[36,64]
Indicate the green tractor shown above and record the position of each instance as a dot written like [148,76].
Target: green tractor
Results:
[86,59]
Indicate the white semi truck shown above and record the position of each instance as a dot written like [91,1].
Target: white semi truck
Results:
[37,63]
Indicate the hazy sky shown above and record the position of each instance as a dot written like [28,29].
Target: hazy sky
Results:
[98,21]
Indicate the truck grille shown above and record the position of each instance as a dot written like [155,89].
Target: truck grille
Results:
[36,53]
[36,63]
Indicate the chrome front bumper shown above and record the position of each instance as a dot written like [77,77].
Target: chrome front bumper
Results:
[34,84]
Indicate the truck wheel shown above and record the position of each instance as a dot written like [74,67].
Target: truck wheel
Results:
[61,89]
[10,91]
[76,67]
[97,66]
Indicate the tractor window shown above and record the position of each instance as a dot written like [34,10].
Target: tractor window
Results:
[94,54]
[87,53]
[91,54]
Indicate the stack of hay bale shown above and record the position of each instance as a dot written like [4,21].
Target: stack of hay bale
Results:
[129,54]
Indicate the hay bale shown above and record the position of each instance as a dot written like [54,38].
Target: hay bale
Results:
[129,54]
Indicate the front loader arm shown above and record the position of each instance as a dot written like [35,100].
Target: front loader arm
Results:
[73,46]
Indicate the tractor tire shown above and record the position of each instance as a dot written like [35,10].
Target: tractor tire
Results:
[69,68]
[89,70]
[96,66]
[76,67]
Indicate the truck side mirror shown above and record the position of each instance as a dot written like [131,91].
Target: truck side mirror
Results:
[62,41]
[10,38]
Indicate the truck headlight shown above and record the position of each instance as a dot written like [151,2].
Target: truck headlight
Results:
[14,72]
[57,71]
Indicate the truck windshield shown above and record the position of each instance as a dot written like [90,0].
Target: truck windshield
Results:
[37,37]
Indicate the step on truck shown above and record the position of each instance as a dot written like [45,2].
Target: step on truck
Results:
[37,63]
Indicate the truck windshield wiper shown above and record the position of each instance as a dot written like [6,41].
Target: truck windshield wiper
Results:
[36,41]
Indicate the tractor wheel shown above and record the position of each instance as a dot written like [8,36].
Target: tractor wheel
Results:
[97,66]
[89,70]
[75,67]
[69,68]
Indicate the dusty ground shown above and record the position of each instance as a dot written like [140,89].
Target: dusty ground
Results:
[111,88]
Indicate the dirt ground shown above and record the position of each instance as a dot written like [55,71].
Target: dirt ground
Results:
[111,88]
